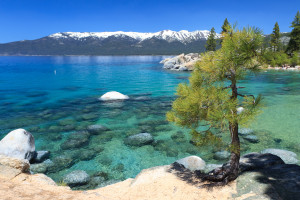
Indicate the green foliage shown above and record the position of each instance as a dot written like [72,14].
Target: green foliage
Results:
[206,138]
[62,183]
[225,26]
[294,43]
[295,60]
[211,42]
[276,59]
[207,99]
[275,36]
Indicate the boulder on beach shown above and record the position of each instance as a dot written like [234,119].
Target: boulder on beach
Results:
[110,96]
[19,144]
[192,163]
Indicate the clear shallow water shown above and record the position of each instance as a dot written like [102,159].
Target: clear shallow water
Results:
[52,106]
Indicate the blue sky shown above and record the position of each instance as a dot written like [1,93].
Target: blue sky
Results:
[31,19]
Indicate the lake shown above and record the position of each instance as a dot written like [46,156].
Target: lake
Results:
[56,99]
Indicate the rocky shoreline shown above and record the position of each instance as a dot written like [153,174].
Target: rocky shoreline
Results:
[186,62]
[262,176]
[181,62]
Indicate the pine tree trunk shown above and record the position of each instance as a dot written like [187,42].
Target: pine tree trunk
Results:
[235,141]
[229,171]
[235,152]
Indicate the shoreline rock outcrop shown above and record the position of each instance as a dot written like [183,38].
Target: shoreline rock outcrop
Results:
[263,176]
[18,143]
[181,62]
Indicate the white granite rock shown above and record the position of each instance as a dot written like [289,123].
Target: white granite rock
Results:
[110,96]
[18,144]
[192,163]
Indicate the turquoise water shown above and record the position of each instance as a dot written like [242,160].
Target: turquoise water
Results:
[55,97]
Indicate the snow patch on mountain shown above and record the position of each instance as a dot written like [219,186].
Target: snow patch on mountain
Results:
[168,35]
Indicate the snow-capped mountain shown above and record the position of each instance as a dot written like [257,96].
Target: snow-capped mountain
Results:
[168,35]
[165,42]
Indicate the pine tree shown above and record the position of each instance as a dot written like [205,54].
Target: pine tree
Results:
[225,26]
[211,42]
[211,97]
[294,43]
[275,36]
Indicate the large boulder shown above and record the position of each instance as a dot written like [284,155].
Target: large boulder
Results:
[110,96]
[279,181]
[288,157]
[192,163]
[76,178]
[181,62]
[253,161]
[139,139]
[18,144]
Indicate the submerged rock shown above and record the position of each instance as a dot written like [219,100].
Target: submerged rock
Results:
[178,137]
[110,96]
[251,138]
[18,144]
[89,116]
[76,140]
[245,131]
[222,155]
[139,139]
[288,157]
[77,177]
[59,163]
[38,168]
[192,163]
[96,129]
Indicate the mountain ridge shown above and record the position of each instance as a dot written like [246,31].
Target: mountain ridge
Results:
[164,42]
